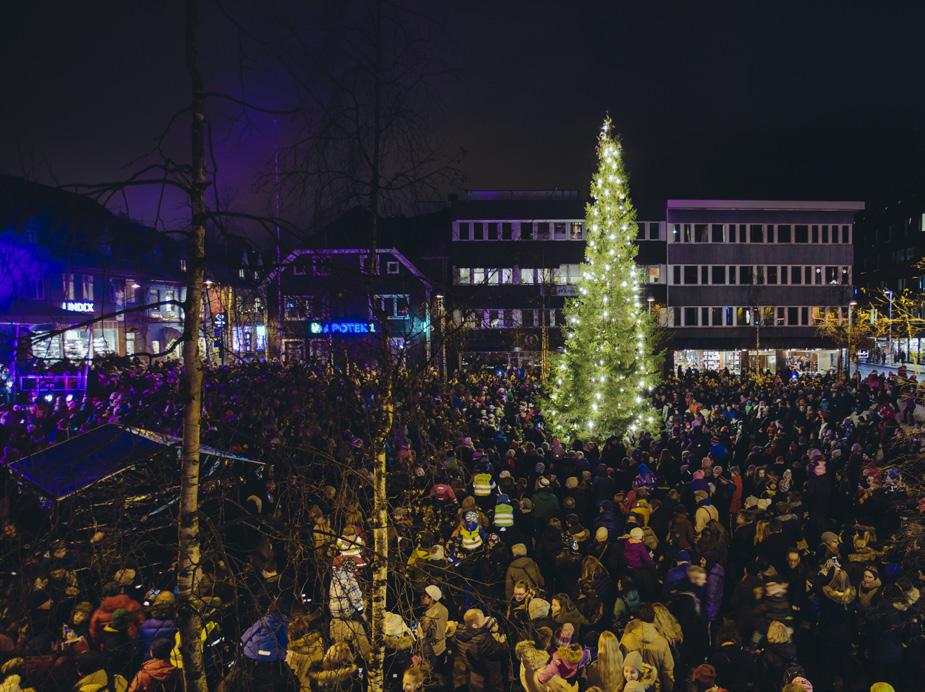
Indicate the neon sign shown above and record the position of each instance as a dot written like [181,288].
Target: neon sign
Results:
[341,328]
[77,306]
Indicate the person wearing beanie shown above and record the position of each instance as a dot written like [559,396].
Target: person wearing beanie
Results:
[545,502]
[636,671]
[566,661]
[703,679]
[433,629]
[118,646]
[114,599]
[504,513]
[639,563]
[539,612]
[470,534]
[705,513]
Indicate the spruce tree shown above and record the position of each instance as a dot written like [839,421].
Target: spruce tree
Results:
[601,380]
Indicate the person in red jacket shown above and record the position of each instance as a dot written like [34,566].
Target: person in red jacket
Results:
[157,674]
[113,600]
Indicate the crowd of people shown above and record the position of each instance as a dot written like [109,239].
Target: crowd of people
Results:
[765,537]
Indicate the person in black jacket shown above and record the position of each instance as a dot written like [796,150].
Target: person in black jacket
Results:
[483,650]
[735,667]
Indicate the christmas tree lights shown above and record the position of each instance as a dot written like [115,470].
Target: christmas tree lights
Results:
[602,378]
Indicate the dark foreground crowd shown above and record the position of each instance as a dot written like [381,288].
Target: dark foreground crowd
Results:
[764,538]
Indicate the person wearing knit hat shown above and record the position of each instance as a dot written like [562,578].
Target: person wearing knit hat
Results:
[704,677]
[635,671]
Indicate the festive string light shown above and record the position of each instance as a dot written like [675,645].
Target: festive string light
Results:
[605,316]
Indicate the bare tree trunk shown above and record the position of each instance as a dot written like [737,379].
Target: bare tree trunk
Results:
[380,496]
[188,562]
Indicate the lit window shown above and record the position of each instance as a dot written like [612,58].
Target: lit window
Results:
[494,277]
[577,231]
[526,275]
[67,286]
[507,276]
[182,265]
[463,275]
[87,287]
[655,275]
[478,275]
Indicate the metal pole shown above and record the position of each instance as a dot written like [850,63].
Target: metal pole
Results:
[279,265]
[850,330]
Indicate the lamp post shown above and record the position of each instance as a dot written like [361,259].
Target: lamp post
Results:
[650,300]
[851,305]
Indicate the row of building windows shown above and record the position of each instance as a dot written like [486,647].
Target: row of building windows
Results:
[750,316]
[513,318]
[569,229]
[117,292]
[760,233]
[759,275]
[518,230]
[564,274]
[393,305]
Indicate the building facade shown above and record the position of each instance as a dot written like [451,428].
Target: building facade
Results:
[514,259]
[752,278]
[326,311]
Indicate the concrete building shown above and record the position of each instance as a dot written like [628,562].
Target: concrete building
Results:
[750,278]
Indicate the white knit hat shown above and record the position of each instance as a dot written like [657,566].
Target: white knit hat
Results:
[434,592]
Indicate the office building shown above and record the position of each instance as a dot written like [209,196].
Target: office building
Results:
[751,278]
[515,258]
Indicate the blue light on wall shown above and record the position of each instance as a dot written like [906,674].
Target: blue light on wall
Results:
[341,328]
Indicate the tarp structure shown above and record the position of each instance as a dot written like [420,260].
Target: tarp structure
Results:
[81,462]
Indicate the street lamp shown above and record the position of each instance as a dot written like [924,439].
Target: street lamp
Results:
[650,300]
[851,305]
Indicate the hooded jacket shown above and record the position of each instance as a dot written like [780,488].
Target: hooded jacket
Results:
[102,616]
[267,639]
[645,638]
[155,675]
[155,628]
[522,568]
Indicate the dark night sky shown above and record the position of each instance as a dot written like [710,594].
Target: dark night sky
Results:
[803,100]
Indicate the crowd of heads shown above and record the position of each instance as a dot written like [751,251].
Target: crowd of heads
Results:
[764,535]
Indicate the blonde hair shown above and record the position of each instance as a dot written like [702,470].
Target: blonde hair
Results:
[761,530]
[666,624]
[591,567]
[337,656]
[609,660]
[778,632]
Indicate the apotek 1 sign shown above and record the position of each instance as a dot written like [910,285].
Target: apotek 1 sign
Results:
[341,328]
[77,306]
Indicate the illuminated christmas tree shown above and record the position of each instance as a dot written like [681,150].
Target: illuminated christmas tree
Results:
[601,380]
